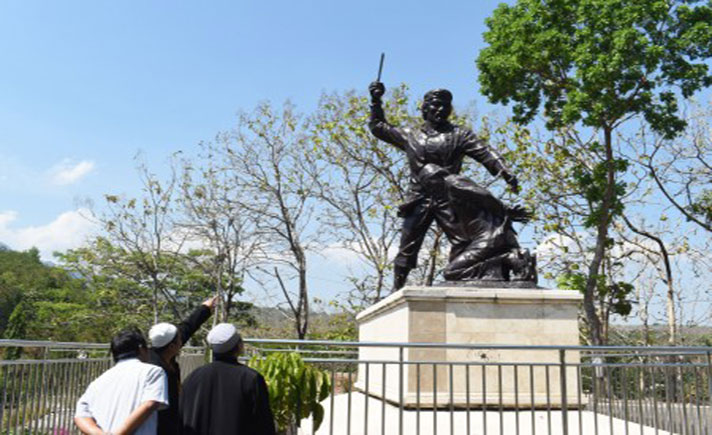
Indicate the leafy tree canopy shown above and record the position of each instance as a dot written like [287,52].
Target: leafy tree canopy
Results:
[597,61]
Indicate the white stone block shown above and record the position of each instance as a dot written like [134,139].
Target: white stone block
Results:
[459,315]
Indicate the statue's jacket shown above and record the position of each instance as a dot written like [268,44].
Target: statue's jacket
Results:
[445,148]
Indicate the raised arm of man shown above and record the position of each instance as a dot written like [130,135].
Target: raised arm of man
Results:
[378,124]
[191,324]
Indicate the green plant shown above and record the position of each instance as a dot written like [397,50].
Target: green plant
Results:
[295,388]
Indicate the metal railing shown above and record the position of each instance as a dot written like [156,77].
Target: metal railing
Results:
[40,386]
[422,388]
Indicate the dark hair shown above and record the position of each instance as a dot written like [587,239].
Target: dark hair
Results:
[127,343]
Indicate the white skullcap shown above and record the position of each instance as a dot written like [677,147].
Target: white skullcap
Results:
[223,338]
[161,334]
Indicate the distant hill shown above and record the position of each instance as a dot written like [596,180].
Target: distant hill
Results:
[4,247]
[698,335]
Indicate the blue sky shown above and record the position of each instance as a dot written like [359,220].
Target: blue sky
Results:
[88,85]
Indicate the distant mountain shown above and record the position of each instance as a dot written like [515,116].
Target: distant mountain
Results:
[4,247]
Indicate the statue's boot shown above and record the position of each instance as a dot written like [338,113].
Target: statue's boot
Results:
[400,275]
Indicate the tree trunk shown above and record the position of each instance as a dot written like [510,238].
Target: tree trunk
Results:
[604,222]
[155,302]
[433,259]
[379,284]
[667,279]
[303,325]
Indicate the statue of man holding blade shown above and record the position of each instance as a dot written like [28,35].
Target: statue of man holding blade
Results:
[436,142]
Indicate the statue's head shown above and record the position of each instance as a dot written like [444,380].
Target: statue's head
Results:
[437,106]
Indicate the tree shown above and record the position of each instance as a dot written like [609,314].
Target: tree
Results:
[51,303]
[682,169]
[211,206]
[560,225]
[143,234]
[18,271]
[264,155]
[598,63]
[359,181]
[120,294]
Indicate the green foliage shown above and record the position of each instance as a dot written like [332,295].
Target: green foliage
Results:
[614,296]
[295,388]
[20,272]
[50,304]
[334,326]
[121,294]
[597,61]
[702,206]
[97,290]
[592,184]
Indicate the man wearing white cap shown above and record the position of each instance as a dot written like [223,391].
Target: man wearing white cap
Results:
[225,397]
[166,342]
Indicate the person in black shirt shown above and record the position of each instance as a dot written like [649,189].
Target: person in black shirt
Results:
[225,397]
[166,343]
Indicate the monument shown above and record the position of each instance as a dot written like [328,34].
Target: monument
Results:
[489,297]
[478,225]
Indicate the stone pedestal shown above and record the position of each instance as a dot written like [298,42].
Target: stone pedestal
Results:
[437,376]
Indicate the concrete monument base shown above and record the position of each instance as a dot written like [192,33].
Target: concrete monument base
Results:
[442,374]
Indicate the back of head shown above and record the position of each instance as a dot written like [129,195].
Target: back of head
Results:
[224,339]
[127,344]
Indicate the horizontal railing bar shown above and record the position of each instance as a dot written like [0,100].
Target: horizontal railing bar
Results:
[423,362]
[301,350]
[646,354]
[644,350]
[14,362]
[701,350]
[492,363]
[684,365]
[51,344]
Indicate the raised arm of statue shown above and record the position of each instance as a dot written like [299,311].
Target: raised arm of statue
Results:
[378,124]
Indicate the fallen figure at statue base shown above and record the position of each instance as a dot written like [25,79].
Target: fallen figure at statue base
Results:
[492,254]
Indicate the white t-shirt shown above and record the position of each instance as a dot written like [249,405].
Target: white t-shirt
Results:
[112,397]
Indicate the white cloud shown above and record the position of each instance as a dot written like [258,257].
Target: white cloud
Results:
[6,217]
[338,253]
[66,172]
[69,230]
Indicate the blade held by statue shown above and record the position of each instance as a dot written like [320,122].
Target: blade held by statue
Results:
[380,67]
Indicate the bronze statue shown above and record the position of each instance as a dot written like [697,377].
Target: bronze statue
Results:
[478,225]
